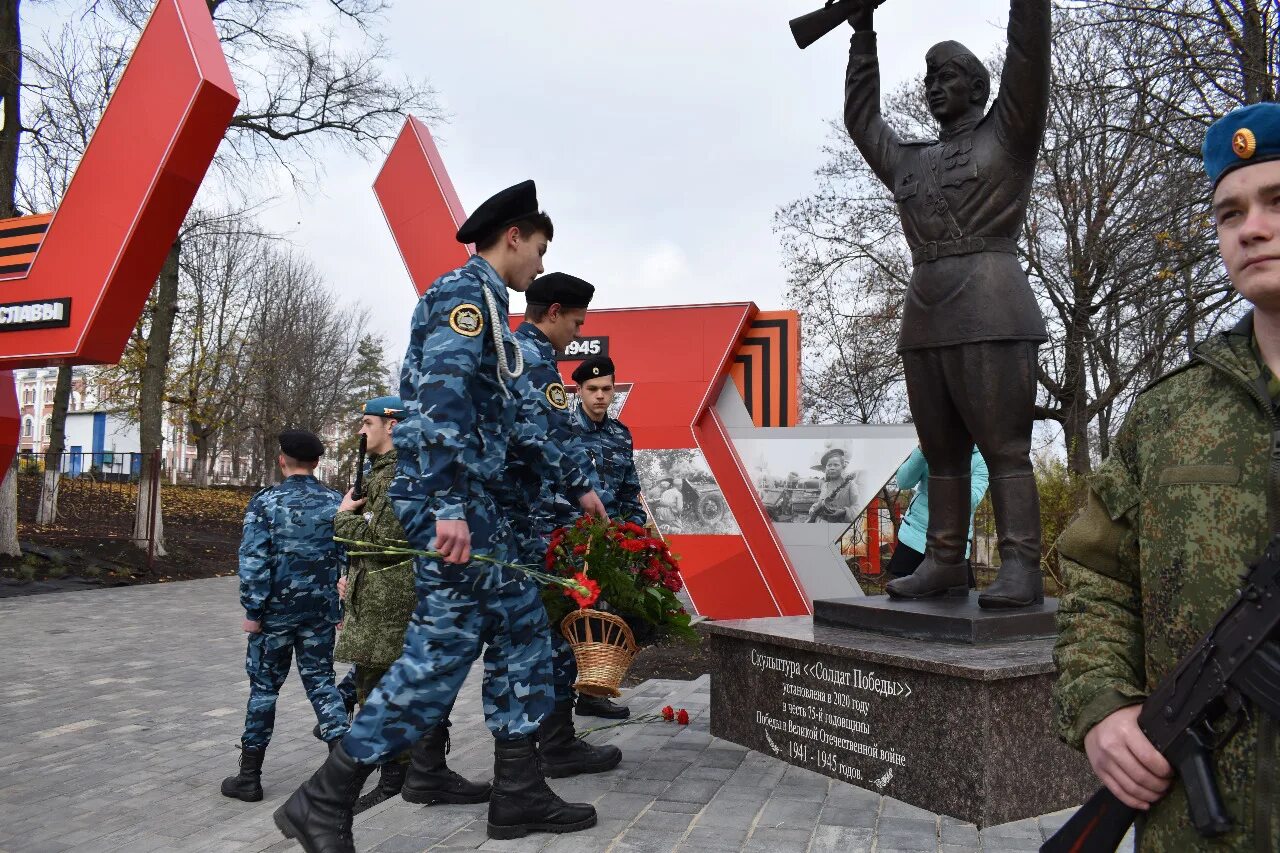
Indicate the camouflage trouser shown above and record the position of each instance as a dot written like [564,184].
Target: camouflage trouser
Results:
[532,550]
[347,688]
[462,610]
[267,662]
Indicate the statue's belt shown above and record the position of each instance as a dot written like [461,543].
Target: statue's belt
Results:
[935,249]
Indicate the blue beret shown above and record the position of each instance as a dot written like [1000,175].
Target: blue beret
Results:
[557,288]
[593,368]
[499,211]
[1241,138]
[301,444]
[385,407]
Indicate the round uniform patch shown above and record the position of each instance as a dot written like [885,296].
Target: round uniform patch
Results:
[1244,143]
[557,396]
[467,320]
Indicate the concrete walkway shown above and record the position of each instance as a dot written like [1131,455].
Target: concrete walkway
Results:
[120,711]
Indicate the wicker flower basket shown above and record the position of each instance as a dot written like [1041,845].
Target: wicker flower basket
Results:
[603,646]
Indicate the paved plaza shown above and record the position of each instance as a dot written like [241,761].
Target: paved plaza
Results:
[120,711]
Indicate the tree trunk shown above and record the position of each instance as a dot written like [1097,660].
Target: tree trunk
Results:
[200,472]
[151,396]
[47,509]
[10,78]
[9,512]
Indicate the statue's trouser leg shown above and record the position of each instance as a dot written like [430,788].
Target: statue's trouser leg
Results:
[947,445]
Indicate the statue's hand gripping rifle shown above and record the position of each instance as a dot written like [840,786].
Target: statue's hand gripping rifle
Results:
[1234,667]
[357,490]
[809,28]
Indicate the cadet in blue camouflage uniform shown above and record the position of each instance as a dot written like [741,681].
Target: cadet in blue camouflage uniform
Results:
[456,386]
[1187,498]
[289,566]
[556,309]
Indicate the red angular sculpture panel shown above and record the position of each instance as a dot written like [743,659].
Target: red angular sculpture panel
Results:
[89,279]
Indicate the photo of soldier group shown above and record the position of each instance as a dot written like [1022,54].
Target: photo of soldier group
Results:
[681,494]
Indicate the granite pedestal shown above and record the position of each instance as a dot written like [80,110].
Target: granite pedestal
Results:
[961,728]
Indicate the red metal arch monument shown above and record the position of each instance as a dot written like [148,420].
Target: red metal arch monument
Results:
[92,264]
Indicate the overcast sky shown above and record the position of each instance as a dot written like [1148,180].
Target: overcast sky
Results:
[662,135]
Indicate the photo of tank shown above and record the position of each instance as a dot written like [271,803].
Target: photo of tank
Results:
[680,493]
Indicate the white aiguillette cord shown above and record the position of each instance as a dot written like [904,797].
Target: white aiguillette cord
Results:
[497,323]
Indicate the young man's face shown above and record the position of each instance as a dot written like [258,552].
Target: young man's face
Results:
[526,258]
[1246,208]
[561,325]
[835,467]
[596,396]
[949,92]
[377,433]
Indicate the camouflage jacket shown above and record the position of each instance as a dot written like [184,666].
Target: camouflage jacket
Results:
[610,449]
[289,563]
[1187,498]
[452,447]
[529,487]
[380,592]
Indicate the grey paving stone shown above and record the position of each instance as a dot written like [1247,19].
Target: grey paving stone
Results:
[841,839]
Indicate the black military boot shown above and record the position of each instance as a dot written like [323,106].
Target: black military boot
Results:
[318,815]
[564,754]
[390,781]
[431,781]
[943,571]
[247,785]
[1020,581]
[522,802]
[599,706]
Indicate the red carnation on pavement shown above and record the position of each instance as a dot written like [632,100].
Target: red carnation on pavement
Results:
[682,717]
[592,590]
[668,713]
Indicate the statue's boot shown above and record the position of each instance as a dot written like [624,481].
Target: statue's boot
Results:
[522,802]
[431,781]
[318,815]
[563,753]
[943,570]
[1020,581]
[390,781]
[247,784]
[600,706]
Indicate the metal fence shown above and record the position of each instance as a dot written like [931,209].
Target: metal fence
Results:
[98,494]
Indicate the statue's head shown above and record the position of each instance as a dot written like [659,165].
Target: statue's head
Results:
[956,83]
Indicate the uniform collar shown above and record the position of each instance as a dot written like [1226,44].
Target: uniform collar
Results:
[300,478]
[383,459]
[489,276]
[582,416]
[539,337]
[958,130]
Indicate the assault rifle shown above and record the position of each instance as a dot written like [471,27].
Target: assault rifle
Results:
[809,28]
[357,490]
[1237,663]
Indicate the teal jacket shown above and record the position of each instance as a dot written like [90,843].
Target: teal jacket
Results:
[914,474]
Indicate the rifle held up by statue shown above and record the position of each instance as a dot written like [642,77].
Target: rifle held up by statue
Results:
[809,28]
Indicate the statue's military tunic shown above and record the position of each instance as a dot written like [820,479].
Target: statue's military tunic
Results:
[1187,498]
[962,199]
[380,590]
[289,567]
[452,449]
[528,491]
[970,324]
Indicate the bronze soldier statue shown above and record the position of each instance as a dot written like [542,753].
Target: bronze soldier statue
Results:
[970,325]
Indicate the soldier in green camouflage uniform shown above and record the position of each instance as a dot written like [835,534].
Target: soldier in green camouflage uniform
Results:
[1189,495]
[380,598]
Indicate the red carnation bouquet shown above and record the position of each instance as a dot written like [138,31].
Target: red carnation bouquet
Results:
[617,561]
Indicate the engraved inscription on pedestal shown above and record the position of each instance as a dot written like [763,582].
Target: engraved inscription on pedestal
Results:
[964,731]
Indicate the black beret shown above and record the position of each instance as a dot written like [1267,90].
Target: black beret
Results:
[560,288]
[499,211]
[593,368]
[301,445]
